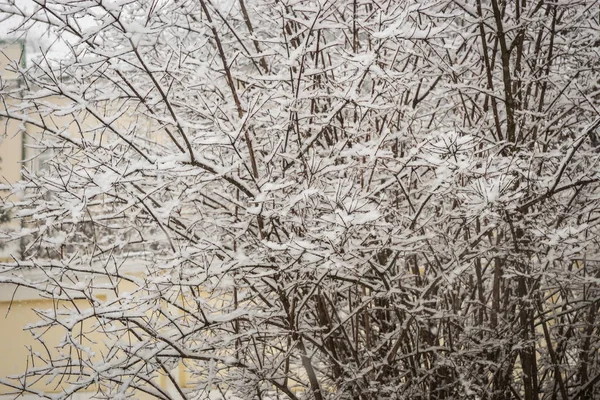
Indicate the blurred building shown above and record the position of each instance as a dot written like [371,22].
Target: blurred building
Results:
[19,305]
[12,139]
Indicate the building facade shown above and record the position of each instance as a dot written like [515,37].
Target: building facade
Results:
[21,306]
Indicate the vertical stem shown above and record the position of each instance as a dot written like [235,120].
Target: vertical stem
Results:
[506,78]
[238,104]
[488,71]
[262,61]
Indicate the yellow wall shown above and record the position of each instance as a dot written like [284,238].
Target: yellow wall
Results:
[10,53]
[10,151]
[10,135]
[20,351]
[11,138]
